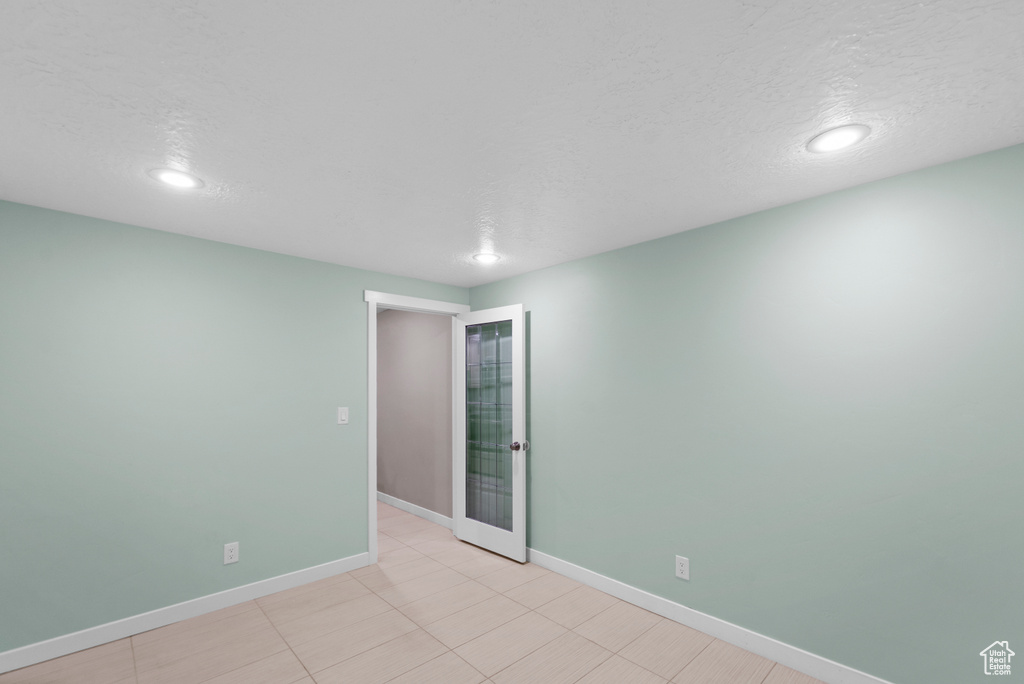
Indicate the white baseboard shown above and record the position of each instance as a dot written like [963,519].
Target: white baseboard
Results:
[790,656]
[136,624]
[802,661]
[418,511]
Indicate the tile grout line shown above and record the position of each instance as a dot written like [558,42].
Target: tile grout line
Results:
[612,655]
[567,631]
[769,672]
[481,633]
[625,645]
[472,579]
[331,631]
[398,565]
[618,653]
[469,664]
[525,655]
[135,665]
[402,674]
[369,588]
[285,641]
[708,645]
[444,617]
[549,600]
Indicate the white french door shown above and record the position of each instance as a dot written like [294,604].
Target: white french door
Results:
[489,444]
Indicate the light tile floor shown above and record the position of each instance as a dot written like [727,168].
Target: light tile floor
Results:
[432,610]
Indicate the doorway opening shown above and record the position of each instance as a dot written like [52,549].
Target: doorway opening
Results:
[382,302]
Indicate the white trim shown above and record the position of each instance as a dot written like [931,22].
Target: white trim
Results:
[383,300]
[766,647]
[458,445]
[371,426]
[136,624]
[418,511]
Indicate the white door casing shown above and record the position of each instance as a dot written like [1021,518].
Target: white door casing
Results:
[377,301]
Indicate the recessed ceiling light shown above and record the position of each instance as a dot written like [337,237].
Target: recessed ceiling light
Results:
[486,258]
[177,179]
[838,138]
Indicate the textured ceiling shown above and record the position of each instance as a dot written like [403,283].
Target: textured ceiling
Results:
[404,137]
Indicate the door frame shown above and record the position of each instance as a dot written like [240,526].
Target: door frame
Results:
[376,301]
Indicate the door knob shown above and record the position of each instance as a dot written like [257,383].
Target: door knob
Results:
[514,446]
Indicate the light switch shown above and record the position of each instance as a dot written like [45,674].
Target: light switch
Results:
[343,415]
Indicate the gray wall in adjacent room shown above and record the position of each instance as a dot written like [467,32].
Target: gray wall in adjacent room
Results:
[414,408]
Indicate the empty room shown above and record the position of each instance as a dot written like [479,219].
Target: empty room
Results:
[518,341]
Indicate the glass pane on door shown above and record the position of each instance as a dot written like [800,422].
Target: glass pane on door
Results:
[489,423]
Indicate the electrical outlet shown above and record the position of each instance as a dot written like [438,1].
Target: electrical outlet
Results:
[682,568]
[230,553]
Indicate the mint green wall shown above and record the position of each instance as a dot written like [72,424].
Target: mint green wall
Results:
[160,396]
[821,405]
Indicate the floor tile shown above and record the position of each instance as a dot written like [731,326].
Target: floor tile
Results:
[545,588]
[376,578]
[451,554]
[386,511]
[561,661]
[191,625]
[616,626]
[342,644]
[386,559]
[414,537]
[722,663]
[296,603]
[331,618]
[577,606]
[483,564]
[410,530]
[206,652]
[618,670]
[511,576]
[499,648]
[445,669]
[280,668]
[421,587]
[107,664]
[437,546]
[391,512]
[386,543]
[444,603]
[666,648]
[401,520]
[319,585]
[472,622]
[781,674]
[385,662]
